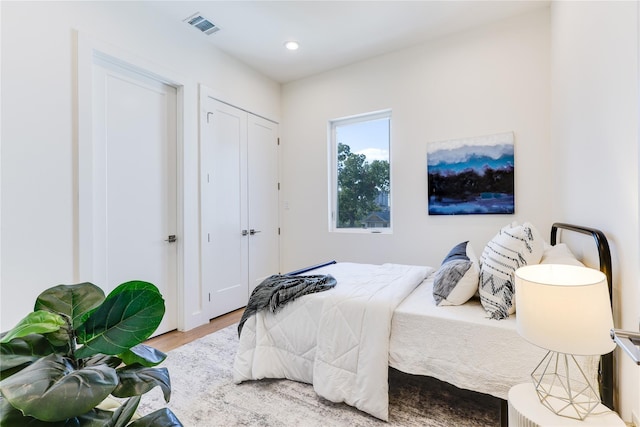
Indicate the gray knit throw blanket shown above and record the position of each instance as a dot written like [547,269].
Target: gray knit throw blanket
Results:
[277,290]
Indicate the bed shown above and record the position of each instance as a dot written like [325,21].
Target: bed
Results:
[343,340]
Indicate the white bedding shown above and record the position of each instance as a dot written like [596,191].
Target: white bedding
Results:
[343,340]
[337,340]
[462,346]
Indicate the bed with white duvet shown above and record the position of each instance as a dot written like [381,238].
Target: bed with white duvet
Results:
[343,340]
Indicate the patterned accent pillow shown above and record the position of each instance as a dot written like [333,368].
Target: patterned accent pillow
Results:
[457,278]
[513,247]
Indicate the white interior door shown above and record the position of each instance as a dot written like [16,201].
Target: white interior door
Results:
[225,242]
[134,191]
[264,244]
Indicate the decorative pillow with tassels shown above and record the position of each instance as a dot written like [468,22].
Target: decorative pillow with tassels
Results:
[513,247]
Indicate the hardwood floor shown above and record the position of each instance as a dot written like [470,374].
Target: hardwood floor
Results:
[175,339]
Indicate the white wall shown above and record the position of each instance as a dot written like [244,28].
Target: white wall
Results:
[492,79]
[489,80]
[595,53]
[39,137]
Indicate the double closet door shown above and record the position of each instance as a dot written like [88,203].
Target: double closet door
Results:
[240,241]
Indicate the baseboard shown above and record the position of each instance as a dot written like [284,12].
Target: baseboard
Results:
[635,419]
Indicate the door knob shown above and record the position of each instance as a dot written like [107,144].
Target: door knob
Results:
[172,238]
[245,232]
[252,231]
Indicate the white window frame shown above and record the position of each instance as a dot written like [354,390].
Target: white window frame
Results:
[333,171]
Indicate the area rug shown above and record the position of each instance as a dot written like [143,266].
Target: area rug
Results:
[204,395]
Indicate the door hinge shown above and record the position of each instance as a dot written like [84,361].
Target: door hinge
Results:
[208,181]
[208,237]
[278,141]
[278,231]
[209,296]
[278,186]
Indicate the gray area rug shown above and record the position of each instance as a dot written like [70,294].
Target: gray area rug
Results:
[204,395]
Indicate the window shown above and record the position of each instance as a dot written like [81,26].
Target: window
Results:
[360,188]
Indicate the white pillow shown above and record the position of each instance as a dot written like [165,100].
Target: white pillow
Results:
[513,247]
[457,278]
[559,254]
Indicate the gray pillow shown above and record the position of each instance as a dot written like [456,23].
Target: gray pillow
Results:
[456,281]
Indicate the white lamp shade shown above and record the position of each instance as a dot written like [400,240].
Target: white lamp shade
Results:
[564,308]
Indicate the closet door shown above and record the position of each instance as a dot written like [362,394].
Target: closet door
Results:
[264,243]
[240,240]
[224,208]
[132,200]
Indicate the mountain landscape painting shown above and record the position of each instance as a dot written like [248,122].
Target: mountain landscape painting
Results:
[471,176]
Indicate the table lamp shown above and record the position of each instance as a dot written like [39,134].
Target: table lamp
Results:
[566,310]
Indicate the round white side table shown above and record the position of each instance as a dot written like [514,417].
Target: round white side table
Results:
[525,410]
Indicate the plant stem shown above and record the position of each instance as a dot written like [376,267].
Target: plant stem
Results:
[71,336]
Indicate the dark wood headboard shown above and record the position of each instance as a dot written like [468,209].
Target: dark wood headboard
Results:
[606,371]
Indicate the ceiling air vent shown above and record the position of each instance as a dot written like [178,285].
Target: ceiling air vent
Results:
[203,24]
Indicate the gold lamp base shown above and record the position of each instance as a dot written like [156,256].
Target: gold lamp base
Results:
[563,387]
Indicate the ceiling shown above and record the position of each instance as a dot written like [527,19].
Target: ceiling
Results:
[331,33]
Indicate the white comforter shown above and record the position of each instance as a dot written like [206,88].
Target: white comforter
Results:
[337,340]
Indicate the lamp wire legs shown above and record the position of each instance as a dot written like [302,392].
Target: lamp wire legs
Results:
[563,387]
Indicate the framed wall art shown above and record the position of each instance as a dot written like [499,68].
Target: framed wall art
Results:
[471,176]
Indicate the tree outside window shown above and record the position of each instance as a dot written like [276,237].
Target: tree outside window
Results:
[362,174]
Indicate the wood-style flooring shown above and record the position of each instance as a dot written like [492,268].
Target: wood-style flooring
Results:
[174,339]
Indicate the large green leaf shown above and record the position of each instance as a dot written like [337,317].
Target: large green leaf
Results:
[11,417]
[36,322]
[52,390]
[127,317]
[137,380]
[124,413]
[160,418]
[143,355]
[72,300]
[101,359]
[93,418]
[22,351]
[61,337]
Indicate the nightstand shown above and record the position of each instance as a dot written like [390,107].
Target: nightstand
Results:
[525,410]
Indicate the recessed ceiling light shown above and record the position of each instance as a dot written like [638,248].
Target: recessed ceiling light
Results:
[292,45]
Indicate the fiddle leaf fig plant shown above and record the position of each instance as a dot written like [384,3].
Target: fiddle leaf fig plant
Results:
[78,351]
